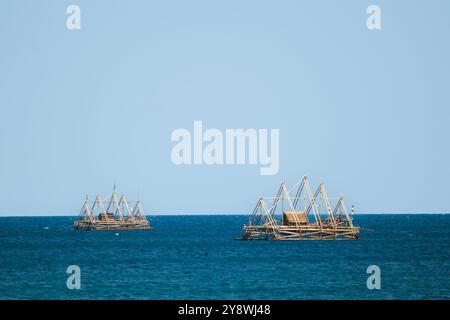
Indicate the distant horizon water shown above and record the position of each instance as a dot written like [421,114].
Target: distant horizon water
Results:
[197,257]
[219,214]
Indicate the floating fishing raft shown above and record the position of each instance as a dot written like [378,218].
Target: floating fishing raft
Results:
[115,214]
[303,219]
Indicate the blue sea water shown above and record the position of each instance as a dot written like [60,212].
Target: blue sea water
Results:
[195,257]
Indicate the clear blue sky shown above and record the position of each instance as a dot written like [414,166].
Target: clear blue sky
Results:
[366,111]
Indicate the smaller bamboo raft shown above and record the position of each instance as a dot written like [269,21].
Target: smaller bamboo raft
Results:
[115,214]
[296,223]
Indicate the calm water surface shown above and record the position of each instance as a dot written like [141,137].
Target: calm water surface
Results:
[195,257]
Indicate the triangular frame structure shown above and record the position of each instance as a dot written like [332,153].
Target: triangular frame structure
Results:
[115,214]
[309,224]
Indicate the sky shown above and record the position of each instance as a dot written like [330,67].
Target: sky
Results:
[365,111]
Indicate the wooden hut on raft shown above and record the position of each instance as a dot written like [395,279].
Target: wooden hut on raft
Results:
[115,214]
[305,216]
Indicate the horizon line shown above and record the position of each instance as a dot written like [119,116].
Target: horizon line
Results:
[218,214]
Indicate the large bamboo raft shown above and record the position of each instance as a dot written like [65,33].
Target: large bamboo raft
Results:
[298,222]
[114,215]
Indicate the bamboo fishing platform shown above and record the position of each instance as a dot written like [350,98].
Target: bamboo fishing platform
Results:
[303,219]
[115,214]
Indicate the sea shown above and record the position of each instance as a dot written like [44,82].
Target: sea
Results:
[197,257]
